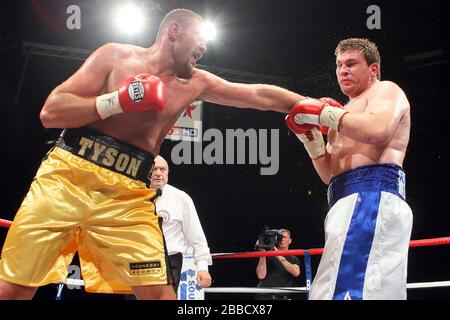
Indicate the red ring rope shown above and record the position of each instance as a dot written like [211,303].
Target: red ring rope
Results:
[319,251]
[5,223]
[296,252]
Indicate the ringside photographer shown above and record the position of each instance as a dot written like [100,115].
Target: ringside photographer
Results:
[277,271]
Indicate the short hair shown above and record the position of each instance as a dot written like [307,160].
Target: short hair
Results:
[286,230]
[184,17]
[367,47]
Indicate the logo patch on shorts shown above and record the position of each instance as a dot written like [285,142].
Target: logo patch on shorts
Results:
[145,268]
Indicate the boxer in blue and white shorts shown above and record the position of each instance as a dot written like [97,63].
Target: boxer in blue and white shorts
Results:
[368,230]
[368,227]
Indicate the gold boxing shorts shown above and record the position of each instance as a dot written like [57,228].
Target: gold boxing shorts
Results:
[90,195]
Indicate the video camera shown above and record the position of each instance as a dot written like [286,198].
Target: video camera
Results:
[268,238]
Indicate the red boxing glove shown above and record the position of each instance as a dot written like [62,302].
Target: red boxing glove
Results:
[297,128]
[140,93]
[322,112]
[332,102]
[302,128]
[324,130]
[310,136]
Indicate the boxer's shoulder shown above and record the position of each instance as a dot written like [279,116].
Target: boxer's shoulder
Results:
[384,87]
[118,50]
[201,74]
[388,91]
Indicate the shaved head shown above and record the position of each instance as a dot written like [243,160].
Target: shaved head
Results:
[184,17]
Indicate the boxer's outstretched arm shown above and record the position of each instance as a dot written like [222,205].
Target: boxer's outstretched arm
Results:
[72,103]
[254,96]
[383,114]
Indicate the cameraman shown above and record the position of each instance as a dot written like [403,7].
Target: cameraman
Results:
[277,271]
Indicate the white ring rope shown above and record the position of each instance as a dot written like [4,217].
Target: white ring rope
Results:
[419,285]
[256,290]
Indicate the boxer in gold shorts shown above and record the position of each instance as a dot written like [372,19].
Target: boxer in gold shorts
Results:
[90,193]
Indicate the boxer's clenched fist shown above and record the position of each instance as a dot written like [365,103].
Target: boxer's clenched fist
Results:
[136,94]
[324,112]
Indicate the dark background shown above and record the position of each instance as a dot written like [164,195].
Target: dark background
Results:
[291,39]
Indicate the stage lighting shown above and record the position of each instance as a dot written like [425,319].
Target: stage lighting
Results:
[129,19]
[209,31]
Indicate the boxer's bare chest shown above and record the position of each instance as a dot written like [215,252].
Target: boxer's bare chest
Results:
[146,129]
[178,93]
[337,140]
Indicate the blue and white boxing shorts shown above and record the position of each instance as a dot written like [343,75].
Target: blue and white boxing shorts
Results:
[367,234]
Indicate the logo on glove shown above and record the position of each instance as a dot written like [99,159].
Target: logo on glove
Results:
[331,116]
[136,91]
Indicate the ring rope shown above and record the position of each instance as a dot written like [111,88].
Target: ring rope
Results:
[319,251]
[5,223]
[418,285]
[296,252]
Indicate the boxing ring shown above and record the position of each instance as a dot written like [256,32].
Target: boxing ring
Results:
[305,253]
